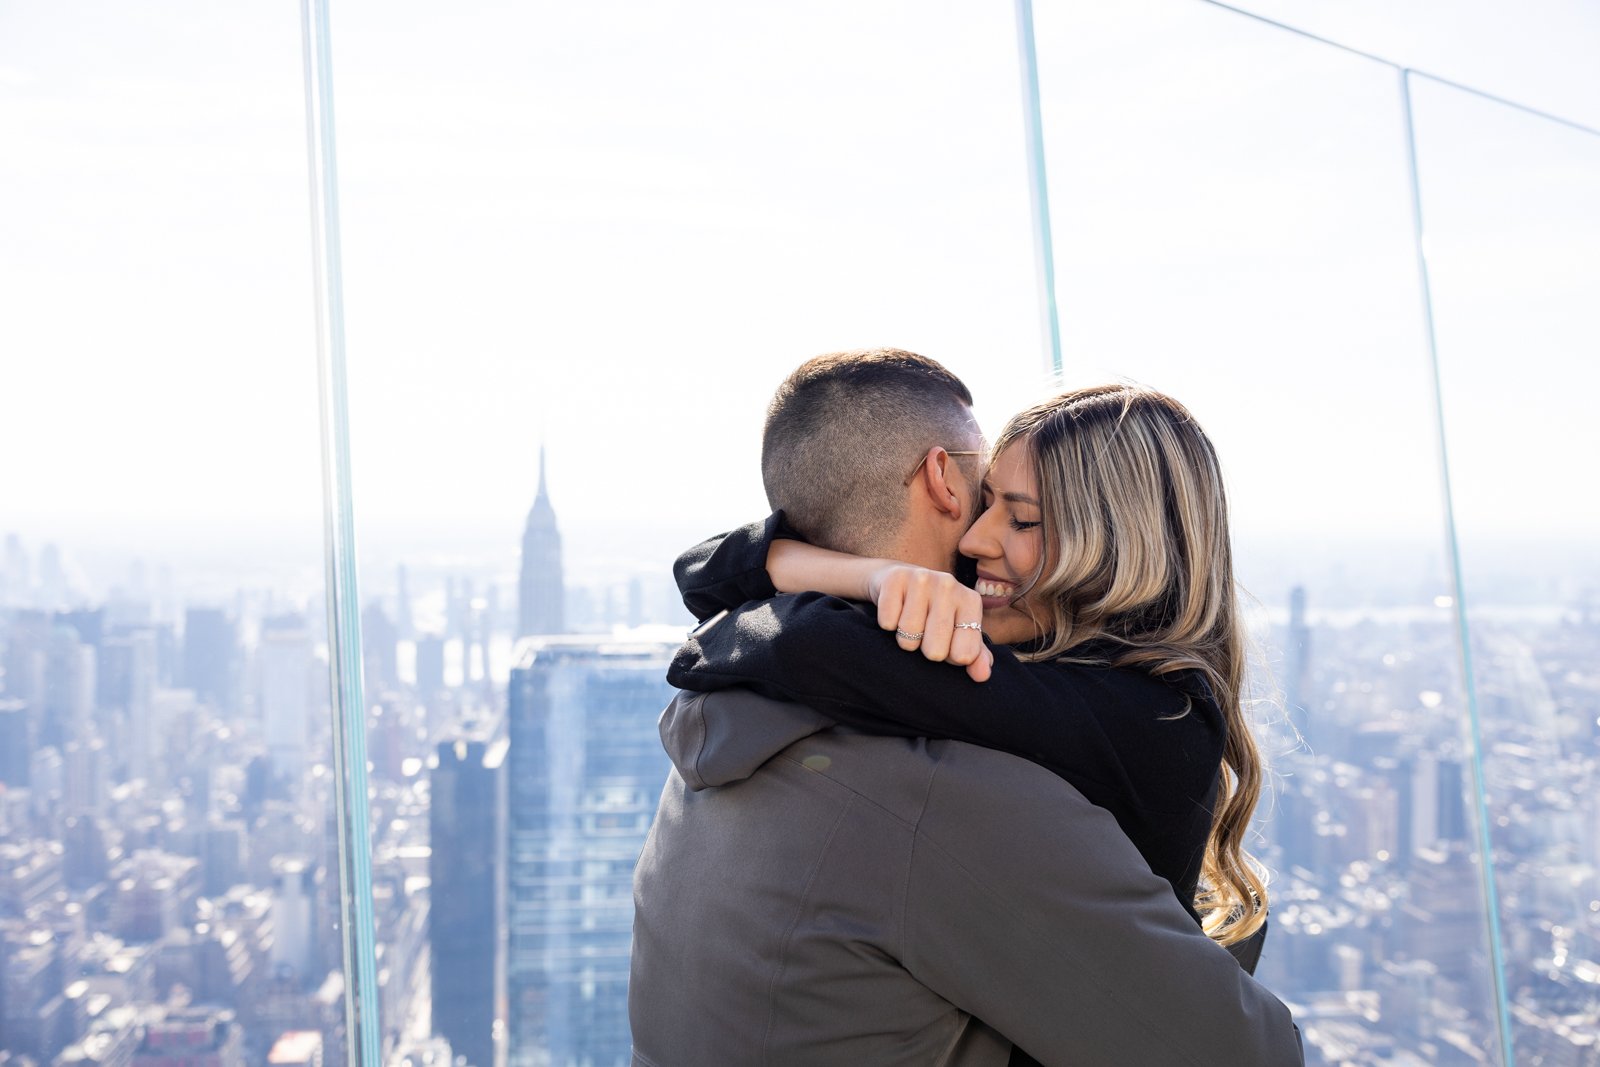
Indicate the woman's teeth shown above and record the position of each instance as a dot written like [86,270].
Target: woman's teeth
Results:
[985,587]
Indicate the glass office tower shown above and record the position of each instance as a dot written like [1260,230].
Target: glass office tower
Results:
[586,769]
[466,877]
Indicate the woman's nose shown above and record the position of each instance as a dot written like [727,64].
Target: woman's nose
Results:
[977,542]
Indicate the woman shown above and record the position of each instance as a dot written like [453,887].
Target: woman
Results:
[1103,561]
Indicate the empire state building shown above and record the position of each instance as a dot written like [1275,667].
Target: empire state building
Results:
[542,595]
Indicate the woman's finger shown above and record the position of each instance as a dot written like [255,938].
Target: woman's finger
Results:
[942,607]
[967,641]
[891,598]
[910,629]
[980,669]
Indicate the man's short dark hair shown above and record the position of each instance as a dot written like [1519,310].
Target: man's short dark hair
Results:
[843,432]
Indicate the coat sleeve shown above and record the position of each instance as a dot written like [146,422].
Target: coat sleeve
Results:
[1027,907]
[1105,730]
[730,569]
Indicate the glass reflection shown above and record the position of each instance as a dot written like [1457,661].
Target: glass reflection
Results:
[1514,251]
[1244,241]
[167,866]
[582,248]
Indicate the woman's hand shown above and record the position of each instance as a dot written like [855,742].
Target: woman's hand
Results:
[933,612]
[911,600]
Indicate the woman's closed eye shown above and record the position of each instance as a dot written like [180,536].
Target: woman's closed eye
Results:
[1018,524]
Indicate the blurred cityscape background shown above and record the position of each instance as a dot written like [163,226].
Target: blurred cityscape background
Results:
[166,836]
[582,246]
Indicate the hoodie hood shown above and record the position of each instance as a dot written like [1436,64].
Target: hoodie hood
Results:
[719,738]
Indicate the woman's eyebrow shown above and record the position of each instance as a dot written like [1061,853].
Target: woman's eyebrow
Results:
[990,489]
[1016,498]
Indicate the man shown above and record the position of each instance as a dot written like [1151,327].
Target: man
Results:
[810,895]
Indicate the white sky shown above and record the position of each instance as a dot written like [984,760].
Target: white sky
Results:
[615,227]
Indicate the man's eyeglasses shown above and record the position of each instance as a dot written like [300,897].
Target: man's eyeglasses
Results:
[918,468]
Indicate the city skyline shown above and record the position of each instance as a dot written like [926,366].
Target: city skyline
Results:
[1368,825]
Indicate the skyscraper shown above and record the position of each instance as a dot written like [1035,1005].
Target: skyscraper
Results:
[211,657]
[466,869]
[69,684]
[430,666]
[294,915]
[585,774]
[131,660]
[542,594]
[16,577]
[286,687]
[379,648]
[16,743]
[27,641]
[1424,802]
[402,606]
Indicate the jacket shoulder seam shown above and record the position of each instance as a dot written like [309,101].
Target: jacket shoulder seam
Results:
[855,793]
[905,885]
[699,712]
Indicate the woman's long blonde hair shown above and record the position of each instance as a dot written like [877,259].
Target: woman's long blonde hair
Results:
[1137,552]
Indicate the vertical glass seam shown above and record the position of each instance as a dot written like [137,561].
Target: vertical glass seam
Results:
[1463,634]
[1039,194]
[352,816]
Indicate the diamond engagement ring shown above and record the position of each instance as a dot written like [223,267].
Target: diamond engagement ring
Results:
[908,637]
[969,625]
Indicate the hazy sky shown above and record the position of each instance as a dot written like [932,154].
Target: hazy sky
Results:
[613,228]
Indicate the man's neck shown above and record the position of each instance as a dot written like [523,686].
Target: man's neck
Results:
[919,551]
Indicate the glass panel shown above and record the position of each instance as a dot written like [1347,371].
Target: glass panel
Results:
[1545,62]
[1233,226]
[583,247]
[165,814]
[1514,255]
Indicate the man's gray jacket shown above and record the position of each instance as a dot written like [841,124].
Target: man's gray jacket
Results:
[809,895]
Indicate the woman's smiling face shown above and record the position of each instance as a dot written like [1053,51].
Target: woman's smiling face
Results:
[1007,541]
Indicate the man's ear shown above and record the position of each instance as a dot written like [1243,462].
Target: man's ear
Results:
[935,479]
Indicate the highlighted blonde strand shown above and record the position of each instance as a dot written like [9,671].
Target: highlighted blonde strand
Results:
[1134,507]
